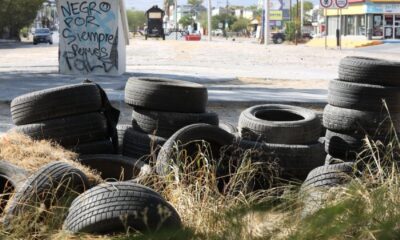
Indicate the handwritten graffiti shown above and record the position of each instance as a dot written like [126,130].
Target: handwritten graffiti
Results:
[89,36]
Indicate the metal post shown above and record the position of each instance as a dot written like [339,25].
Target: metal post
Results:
[209,21]
[326,29]
[176,19]
[301,17]
[266,25]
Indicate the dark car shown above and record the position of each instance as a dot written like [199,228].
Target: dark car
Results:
[278,37]
[42,35]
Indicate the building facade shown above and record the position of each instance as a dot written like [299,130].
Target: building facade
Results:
[372,19]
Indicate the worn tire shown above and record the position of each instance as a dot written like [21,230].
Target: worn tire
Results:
[99,147]
[121,130]
[329,160]
[363,96]
[11,180]
[45,186]
[295,161]
[55,103]
[68,131]
[166,95]
[230,128]
[343,146]
[215,136]
[281,124]
[141,145]
[370,71]
[113,167]
[329,175]
[348,120]
[165,124]
[101,210]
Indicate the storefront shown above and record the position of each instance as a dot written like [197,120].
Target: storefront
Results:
[376,19]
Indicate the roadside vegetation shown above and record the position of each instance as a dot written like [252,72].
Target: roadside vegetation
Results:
[366,208]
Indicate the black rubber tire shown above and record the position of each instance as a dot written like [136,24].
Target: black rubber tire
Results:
[329,160]
[279,128]
[113,167]
[121,130]
[68,131]
[343,146]
[55,103]
[329,175]
[99,147]
[166,95]
[363,96]
[141,145]
[369,71]
[101,210]
[295,161]
[348,120]
[215,136]
[48,184]
[165,124]
[11,180]
[230,128]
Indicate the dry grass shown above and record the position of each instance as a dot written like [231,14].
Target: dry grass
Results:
[32,155]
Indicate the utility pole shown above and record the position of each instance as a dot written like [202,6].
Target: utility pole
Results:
[209,21]
[176,19]
[302,17]
[266,22]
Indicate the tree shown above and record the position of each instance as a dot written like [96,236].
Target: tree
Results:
[136,19]
[186,20]
[307,7]
[17,14]
[240,25]
[195,3]
[224,19]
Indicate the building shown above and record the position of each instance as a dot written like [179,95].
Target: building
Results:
[372,19]
[244,13]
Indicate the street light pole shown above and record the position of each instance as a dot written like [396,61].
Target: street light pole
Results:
[266,22]
[209,20]
[176,19]
[302,17]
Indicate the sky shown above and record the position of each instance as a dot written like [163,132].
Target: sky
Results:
[146,4]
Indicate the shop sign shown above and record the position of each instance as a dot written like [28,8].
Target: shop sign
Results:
[383,8]
[275,15]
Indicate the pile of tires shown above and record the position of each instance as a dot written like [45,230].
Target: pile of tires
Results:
[356,108]
[287,134]
[79,117]
[161,107]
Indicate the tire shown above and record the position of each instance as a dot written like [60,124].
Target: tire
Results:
[55,103]
[113,167]
[281,124]
[68,131]
[348,120]
[121,130]
[230,128]
[165,124]
[141,145]
[363,96]
[101,210]
[330,175]
[343,146]
[369,71]
[99,147]
[329,160]
[295,161]
[166,95]
[11,180]
[50,183]
[186,139]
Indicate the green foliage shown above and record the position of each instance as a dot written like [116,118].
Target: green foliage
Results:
[136,19]
[16,14]
[290,30]
[240,25]
[307,7]
[195,2]
[222,18]
[24,32]
[186,20]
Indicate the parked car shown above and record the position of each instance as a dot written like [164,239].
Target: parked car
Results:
[278,38]
[42,35]
[217,32]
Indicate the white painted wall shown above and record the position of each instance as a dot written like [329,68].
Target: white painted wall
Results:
[92,37]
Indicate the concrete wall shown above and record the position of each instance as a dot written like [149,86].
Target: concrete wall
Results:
[92,37]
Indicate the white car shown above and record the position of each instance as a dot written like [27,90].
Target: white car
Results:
[217,32]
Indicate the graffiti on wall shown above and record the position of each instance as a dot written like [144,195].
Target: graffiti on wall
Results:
[89,36]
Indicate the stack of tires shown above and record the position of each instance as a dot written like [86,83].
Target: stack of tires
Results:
[356,108]
[78,117]
[287,134]
[160,108]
